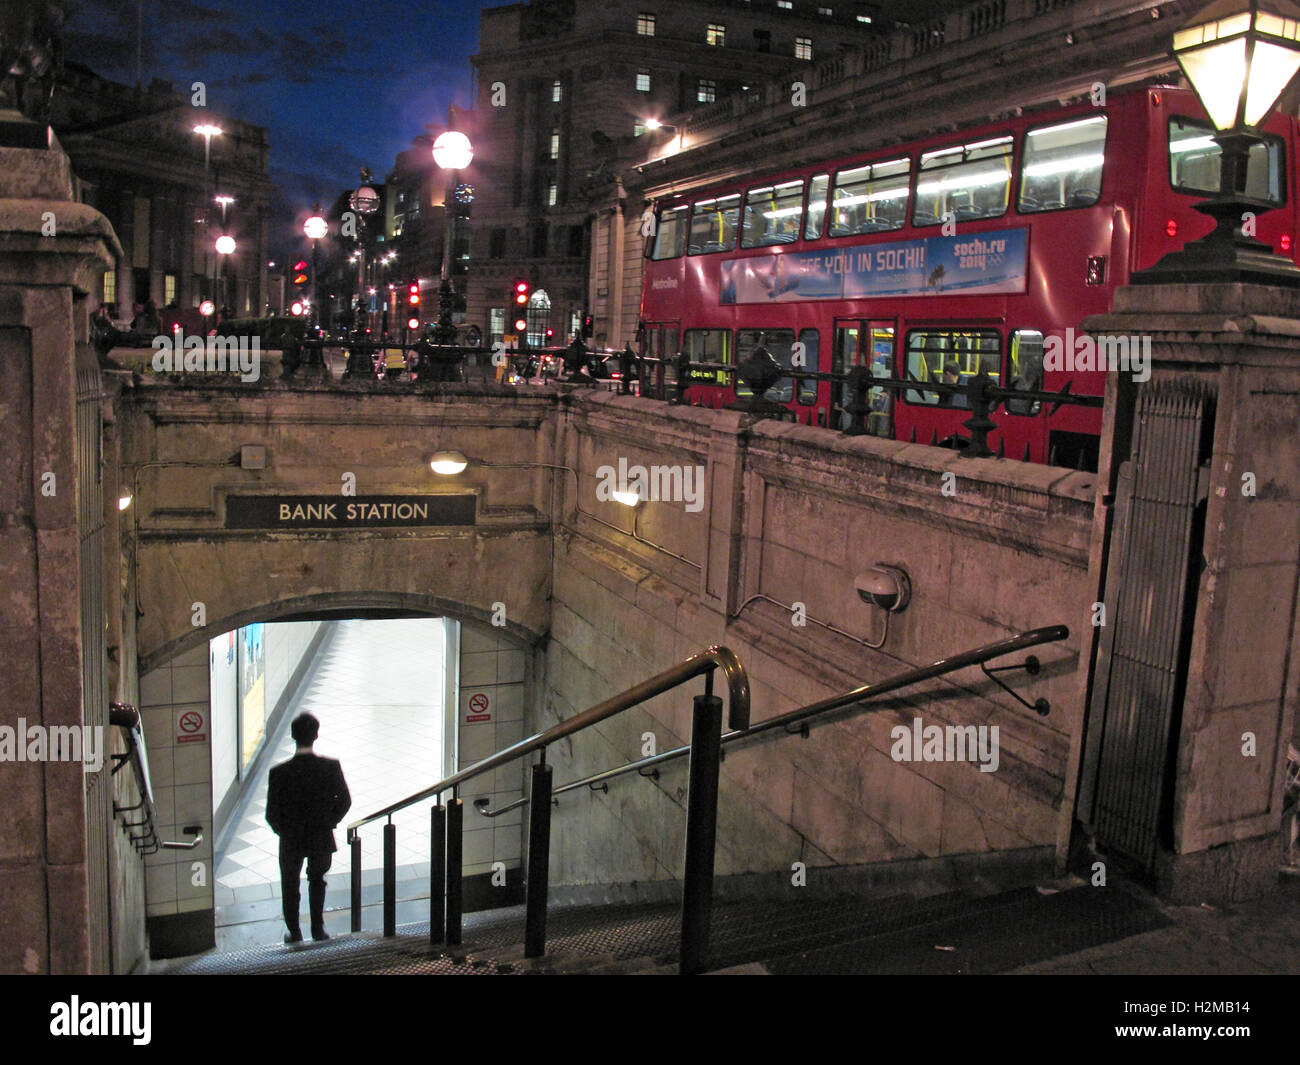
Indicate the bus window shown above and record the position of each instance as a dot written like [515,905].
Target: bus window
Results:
[1025,369]
[1194,163]
[950,357]
[816,206]
[806,387]
[967,181]
[1062,165]
[773,214]
[670,238]
[870,199]
[863,343]
[713,225]
[708,345]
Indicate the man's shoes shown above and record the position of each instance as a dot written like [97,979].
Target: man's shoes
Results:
[319,934]
[293,937]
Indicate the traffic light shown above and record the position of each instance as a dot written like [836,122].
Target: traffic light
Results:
[299,272]
[413,296]
[520,294]
[588,326]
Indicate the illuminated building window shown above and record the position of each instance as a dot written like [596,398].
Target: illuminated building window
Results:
[645,25]
[707,92]
[803,47]
[643,81]
[715,34]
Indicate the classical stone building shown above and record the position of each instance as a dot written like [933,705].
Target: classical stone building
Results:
[566,91]
[139,161]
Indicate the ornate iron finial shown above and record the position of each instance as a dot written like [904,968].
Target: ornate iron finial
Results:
[30,54]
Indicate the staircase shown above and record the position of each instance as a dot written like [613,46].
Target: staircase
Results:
[954,932]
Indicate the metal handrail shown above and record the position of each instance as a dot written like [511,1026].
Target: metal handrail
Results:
[702,662]
[127,717]
[976,656]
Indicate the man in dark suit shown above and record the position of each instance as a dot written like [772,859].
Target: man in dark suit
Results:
[305,799]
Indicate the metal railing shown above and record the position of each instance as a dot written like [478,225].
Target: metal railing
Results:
[446,822]
[127,718]
[799,720]
[980,394]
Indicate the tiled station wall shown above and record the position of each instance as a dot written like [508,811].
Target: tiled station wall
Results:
[493,679]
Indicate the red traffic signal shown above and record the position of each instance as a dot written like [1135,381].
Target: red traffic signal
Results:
[521,293]
[521,326]
[299,272]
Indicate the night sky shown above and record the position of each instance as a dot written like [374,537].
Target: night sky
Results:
[337,83]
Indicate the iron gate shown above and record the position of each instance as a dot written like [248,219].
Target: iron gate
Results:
[94,701]
[1152,570]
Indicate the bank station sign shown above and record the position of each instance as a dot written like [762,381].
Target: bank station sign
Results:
[348,512]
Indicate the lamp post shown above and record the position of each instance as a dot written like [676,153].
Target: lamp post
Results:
[1240,56]
[207,131]
[225,245]
[315,227]
[452,152]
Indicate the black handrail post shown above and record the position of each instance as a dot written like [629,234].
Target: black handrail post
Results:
[437,872]
[390,879]
[539,857]
[354,847]
[701,832]
[455,854]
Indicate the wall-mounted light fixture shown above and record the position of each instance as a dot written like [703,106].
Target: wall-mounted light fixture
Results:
[887,587]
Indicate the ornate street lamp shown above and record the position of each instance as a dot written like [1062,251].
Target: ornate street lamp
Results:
[452,152]
[1240,56]
[315,227]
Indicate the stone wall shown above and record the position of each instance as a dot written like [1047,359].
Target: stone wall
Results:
[790,515]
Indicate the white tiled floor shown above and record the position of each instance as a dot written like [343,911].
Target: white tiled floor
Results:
[378,692]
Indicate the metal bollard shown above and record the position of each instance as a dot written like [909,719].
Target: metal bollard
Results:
[455,855]
[701,833]
[437,873]
[390,879]
[354,846]
[539,856]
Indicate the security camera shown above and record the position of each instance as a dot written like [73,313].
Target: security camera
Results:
[887,587]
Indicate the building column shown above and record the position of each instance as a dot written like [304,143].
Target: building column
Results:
[44,315]
[1238,714]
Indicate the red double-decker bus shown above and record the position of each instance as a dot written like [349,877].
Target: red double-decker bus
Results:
[968,253]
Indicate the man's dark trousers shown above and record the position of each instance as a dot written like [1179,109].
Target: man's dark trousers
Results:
[318,864]
[306,797]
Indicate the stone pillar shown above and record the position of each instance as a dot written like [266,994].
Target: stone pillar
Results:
[1239,711]
[53,252]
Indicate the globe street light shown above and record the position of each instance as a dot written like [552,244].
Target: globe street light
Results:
[452,151]
[1240,56]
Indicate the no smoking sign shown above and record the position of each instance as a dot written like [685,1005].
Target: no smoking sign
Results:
[189,728]
[477,708]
